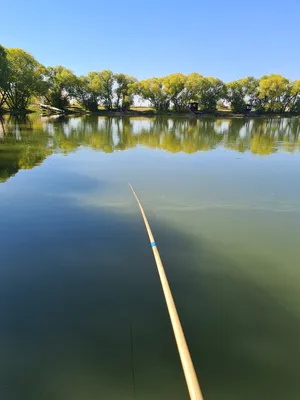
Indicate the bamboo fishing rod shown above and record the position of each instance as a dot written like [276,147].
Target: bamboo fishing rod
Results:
[184,354]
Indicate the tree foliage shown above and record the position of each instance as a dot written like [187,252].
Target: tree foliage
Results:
[270,94]
[153,90]
[22,78]
[241,92]
[193,86]
[26,78]
[294,102]
[4,74]
[178,90]
[124,91]
[84,94]
[62,83]
[212,89]
[174,86]
[273,93]
[106,94]
[96,88]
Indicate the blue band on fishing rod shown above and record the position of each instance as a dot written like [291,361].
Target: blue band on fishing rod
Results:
[153,244]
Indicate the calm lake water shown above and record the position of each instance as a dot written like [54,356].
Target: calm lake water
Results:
[77,271]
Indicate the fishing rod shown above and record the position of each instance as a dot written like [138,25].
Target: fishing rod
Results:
[184,354]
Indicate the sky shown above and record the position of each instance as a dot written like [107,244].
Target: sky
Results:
[227,39]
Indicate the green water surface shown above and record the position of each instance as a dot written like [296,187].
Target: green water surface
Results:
[77,272]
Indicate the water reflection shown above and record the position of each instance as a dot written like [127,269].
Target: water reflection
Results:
[27,141]
[77,271]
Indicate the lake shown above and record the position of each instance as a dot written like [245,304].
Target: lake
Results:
[77,272]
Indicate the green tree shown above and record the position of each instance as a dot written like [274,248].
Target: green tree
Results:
[84,93]
[4,73]
[106,92]
[240,92]
[210,91]
[26,78]
[124,92]
[174,86]
[101,87]
[96,87]
[193,87]
[62,83]
[273,93]
[205,91]
[294,101]
[154,91]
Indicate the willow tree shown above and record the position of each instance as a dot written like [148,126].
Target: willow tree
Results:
[4,73]
[273,93]
[177,90]
[61,85]
[211,90]
[26,79]
[84,93]
[240,92]
[193,89]
[95,88]
[106,91]
[294,101]
[124,92]
[174,86]
[95,84]
[153,90]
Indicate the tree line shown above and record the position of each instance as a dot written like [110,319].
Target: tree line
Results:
[23,78]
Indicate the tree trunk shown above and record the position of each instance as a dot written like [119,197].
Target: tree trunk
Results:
[51,110]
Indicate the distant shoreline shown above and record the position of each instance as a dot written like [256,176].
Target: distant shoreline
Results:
[152,113]
[190,115]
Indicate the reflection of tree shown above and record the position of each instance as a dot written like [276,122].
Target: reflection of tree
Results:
[126,139]
[176,134]
[26,142]
[33,155]
[291,139]
[22,147]
[262,144]
[102,139]
[8,162]
[2,127]
[238,135]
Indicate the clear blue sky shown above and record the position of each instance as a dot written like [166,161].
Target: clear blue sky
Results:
[228,39]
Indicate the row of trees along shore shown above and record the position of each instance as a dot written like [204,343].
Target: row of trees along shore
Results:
[23,79]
